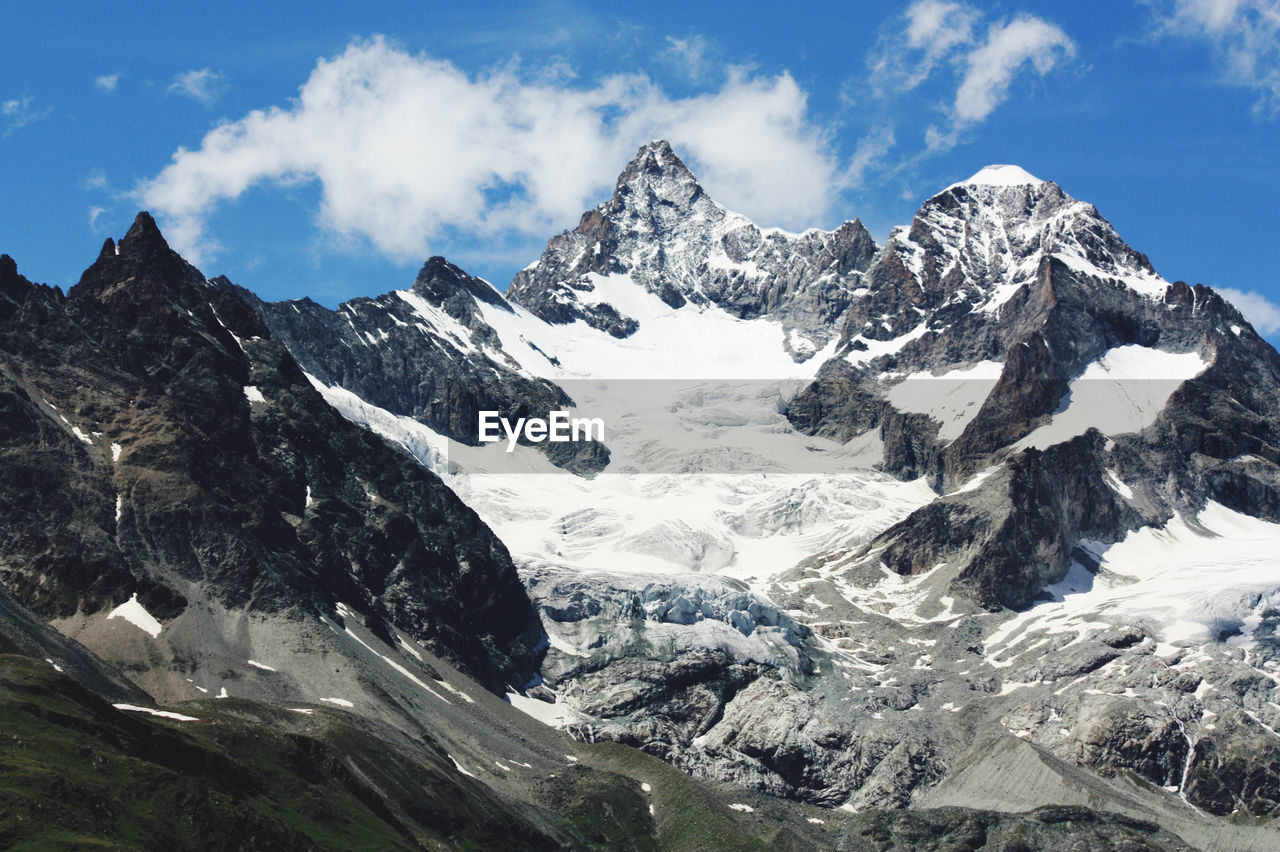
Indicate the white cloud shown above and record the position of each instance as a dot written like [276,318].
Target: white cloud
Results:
[688,57]
[1262,313]
[940,34]
[990,68]
[17,114]
[204,85]
[905,58]
[1245,35]
[107,82]
[407,148]
[752,144]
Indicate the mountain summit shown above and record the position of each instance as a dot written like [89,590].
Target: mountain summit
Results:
[662,232]
[1000,175]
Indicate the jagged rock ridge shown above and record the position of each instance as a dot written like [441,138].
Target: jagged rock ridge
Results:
[425,353]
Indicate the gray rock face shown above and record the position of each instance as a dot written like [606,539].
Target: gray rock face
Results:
[160,443]
[968,250]
[665,233]
[22,633]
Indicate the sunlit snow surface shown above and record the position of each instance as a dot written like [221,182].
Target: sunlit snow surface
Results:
[1192,581]
[952,398]
[751,527]
[701,343]
[555,715]
[1000,175]
[164,714]
[706,474]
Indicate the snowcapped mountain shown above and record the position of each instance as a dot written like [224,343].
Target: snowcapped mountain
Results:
[665,234]
[1030,326]
[271,627]
[979,519]
[820,577]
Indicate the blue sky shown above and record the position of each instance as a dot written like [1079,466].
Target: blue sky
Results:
[319,149]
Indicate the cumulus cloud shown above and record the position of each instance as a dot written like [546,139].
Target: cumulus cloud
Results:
[1262,313]
[18,113]
[204,85]
[936,36]
[107,82]
[1245,35]
[405,148]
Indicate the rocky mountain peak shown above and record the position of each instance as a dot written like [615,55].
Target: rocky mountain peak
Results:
[141,266]
[664,233]
[977,243]
[657,195]
[439,280]
[143,235]
[12,286]
[656,164]
[8,267]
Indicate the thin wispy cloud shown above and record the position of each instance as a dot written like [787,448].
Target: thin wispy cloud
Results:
[407,148]
[689,58]
[1244,35]
[18,113]
[871,151]
[204,85]
[107,82]
[96,179]
[1026,43]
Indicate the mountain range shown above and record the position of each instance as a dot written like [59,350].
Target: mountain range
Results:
[964,539]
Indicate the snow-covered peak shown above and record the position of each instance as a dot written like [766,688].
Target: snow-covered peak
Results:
[656,173]
[1000,175]
[972,246]
[656,156]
